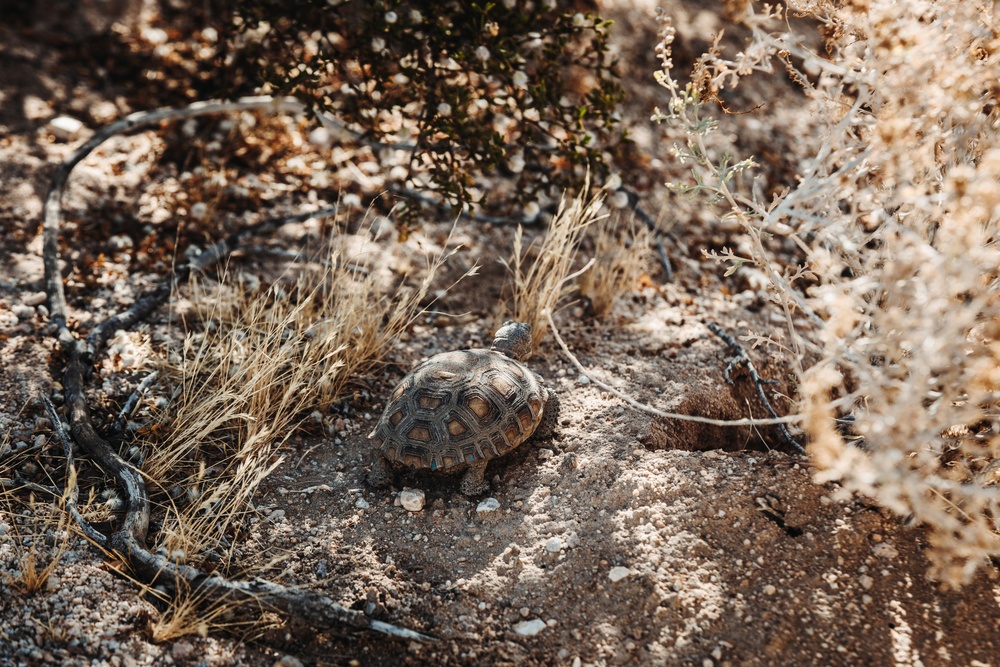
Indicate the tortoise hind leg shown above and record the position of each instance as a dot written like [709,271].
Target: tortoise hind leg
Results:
[474,482]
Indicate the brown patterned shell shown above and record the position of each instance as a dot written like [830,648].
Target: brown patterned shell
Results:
[460,407]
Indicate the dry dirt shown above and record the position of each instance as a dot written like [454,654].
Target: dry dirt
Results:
[623,539]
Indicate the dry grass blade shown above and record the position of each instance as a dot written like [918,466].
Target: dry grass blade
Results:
[539,284]
[621,252]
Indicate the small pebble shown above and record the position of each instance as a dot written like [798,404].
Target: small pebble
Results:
[573,540]
[182,650]
[583,379]
[288,661]
[65,128]
[361,504]
[488,506]
[554,545]
[320,138]
[530,628]
[618,573]
[885,551]
[34,299]
[412,500]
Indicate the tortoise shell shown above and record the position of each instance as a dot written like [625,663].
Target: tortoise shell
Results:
[459,408]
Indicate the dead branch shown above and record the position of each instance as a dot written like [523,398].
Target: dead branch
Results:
[128,542]
[648,408]
[740,357]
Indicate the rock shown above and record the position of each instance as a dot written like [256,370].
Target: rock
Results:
[65,128]
[361,504]
[618,573]
[288,661]
[182,650]
[583,379]
[554,545]
[52,583]
[488,506]
[412,500]
[885,551]
[573,540]
[34,298]
[530,628]
[320,138]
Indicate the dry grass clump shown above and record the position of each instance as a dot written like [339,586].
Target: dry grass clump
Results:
[540,282]
[621,252]
[897,212]
[193,612]
[37,536]
[34,535]
[244,384]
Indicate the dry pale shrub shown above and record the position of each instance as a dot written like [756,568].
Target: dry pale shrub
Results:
[264,361]
[896,212]
[621,253]
[539,282]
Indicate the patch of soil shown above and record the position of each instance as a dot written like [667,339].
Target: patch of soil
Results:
[621,539]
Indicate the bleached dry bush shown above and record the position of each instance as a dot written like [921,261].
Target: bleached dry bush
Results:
[896,212]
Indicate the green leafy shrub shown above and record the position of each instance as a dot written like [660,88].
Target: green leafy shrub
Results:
[445,92]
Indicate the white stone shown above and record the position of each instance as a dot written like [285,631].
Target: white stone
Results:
[554,545]
[65,128]
[530,628]
[573,540]
[583,379]
[412,499]
[618,573]
[320,137]
[361,504]
[34,298]
[488,506]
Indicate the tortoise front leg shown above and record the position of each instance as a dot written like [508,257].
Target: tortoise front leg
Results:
[474,482]
[380,476]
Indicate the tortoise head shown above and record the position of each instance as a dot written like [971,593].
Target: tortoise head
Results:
[514,340]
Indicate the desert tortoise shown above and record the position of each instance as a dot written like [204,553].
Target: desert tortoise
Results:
[458,410]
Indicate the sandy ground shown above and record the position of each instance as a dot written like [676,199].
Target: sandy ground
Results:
[622,539]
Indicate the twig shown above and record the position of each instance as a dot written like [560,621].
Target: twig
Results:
[72,491]
[640,212]
[742,358]
[408,193]
[133,401]
[298,256]
[135,121]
